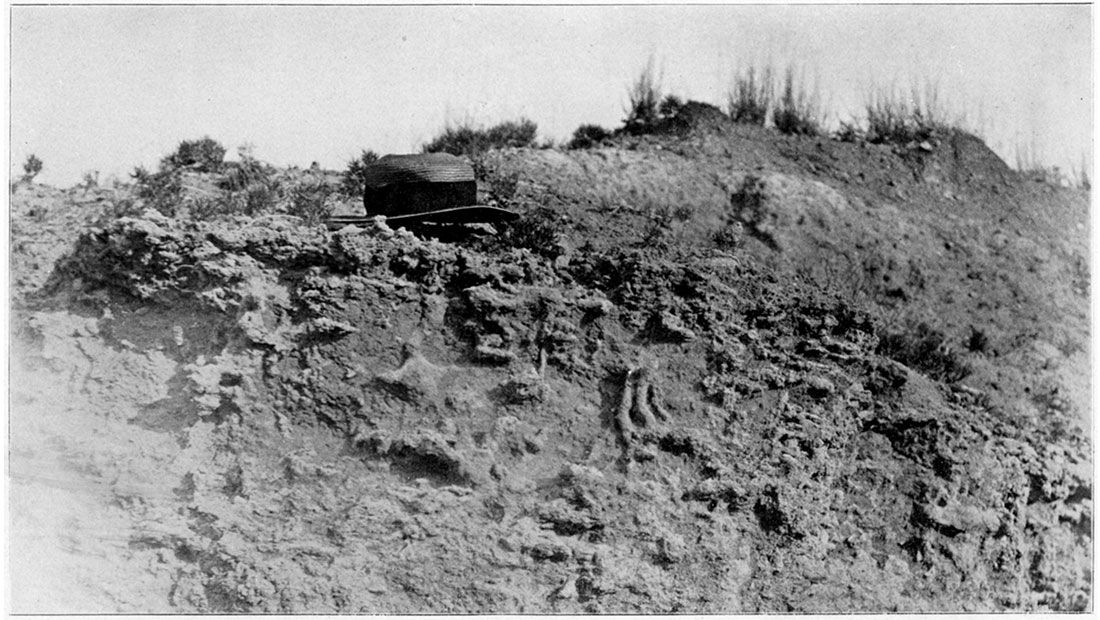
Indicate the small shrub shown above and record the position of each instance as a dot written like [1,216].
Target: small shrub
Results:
[502,182]
[850,132]
[461,140]
[888,121]
[848,276]
[309,200]
[473,141]
[750,195]
[257,198]
[503,186]
[246,173]
[751,97]
[797,113]
[536,230]
[245,187]
[730,238]
[39,213]
[675,115]
[31,168]
[263,195]
[206,208]
[90,180]
[894,119]
[1029,164]
[670,107]
[512,134]
[119,207]
[924,348]
[978,342]
[588,136]
[660,222]
[251,187]
[353,184]
[140,175]
[203,155]
[683,213]
[643,115]
[159,190]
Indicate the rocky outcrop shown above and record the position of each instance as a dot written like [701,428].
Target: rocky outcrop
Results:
[370,422]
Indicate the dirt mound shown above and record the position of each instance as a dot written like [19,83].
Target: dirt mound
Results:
[254,415]
[964,158]
[45,223]
[698,116]
[977,250]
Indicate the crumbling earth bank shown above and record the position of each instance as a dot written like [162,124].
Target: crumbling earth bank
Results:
[256,416]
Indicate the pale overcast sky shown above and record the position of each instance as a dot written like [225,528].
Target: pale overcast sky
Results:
[109,88]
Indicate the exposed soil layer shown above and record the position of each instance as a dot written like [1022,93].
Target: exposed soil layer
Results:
[253,415]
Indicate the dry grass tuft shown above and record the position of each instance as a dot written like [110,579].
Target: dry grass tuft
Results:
[751,97]
[643,114]
[896,118]
[799,109]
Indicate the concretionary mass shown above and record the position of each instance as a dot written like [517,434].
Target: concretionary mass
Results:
[641,397]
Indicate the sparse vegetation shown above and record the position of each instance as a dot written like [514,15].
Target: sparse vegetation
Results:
[850,132]
[244,187]
[31,168]
[1029,164]
[252,185]
[353,184]
[244,173]
[469,140]
[202,155]
[503,186]
[730,237]
[514,134]
[798,111]
[893,118]
[670,107]
[978,341]
[163,190]
[588,136]
[310,199]
[537,230]
[158,190]
[750,193]
[643,114]
[851,277]
[925,348]
[751,97]
[683,213]
[90,180]
[658,225]
[650,112]
[502,183]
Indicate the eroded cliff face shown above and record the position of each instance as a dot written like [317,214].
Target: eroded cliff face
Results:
[253,415]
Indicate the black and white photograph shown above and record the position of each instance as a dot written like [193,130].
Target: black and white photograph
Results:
[549,309]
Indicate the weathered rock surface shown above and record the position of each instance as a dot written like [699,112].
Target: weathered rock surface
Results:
[257,416]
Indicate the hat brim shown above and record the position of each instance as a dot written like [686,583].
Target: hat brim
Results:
[458,215]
